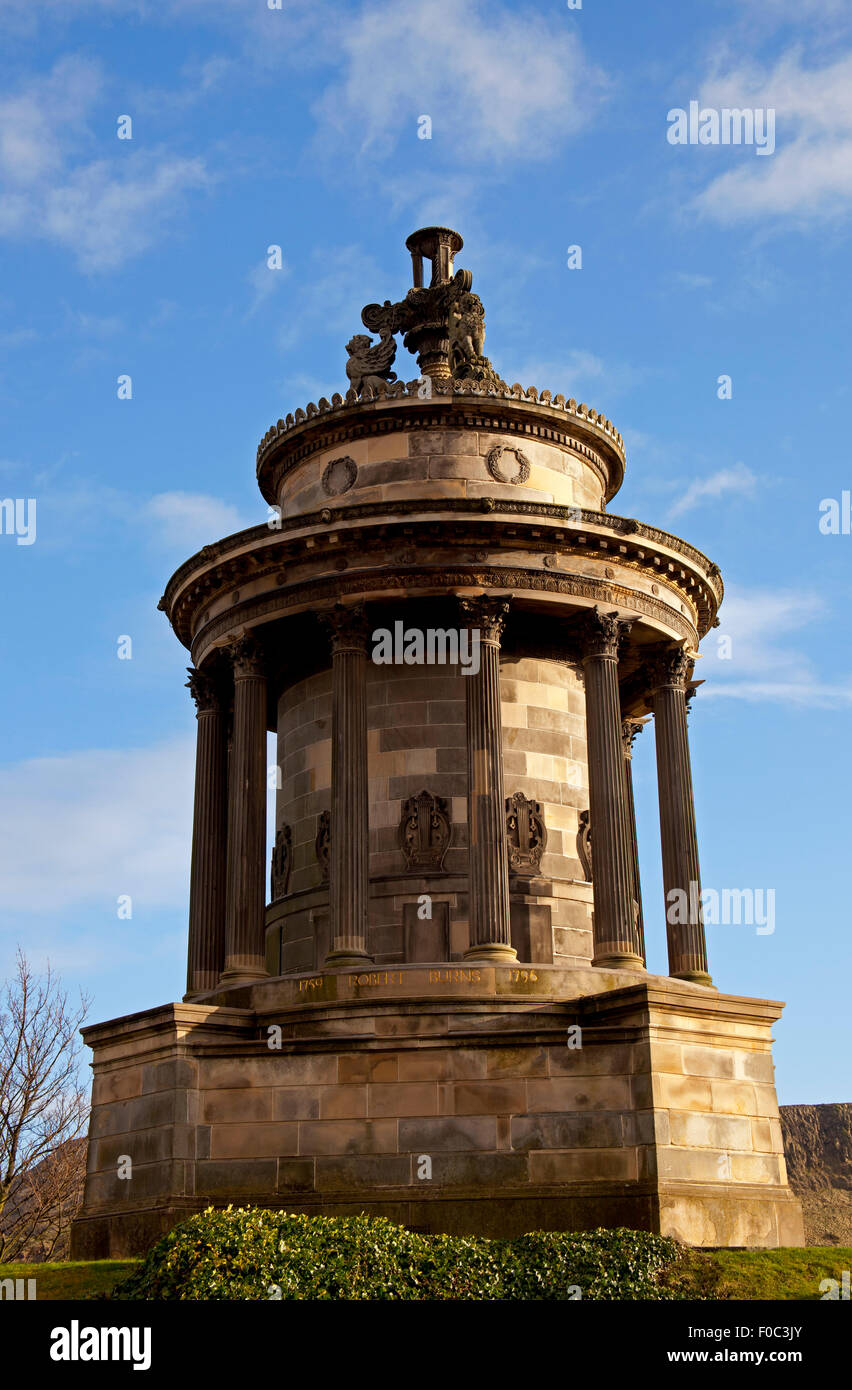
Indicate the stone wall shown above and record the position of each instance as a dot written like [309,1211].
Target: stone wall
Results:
[664,1118]
[416,741]
[438,462]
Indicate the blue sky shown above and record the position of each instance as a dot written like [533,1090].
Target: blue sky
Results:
[298,127]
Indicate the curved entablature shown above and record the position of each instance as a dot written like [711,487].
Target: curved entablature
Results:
[548,551]
[538,415]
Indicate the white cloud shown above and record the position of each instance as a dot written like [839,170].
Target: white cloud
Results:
[496,82]
[88,826]
[756,628]
[192,519]
[809,177]
[103,211]
[739,481]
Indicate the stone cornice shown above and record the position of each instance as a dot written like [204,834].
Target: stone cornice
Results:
[362,529]
[458,405]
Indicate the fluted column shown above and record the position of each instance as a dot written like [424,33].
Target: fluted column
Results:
[629,729]
[669,675]
[245,937]
[616,938]
[209,837]
[350,809]
[490,930]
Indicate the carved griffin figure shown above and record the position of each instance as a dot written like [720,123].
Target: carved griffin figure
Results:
[467,331]
[369,363]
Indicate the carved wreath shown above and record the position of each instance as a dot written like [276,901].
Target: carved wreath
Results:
[331,480]
[492,463]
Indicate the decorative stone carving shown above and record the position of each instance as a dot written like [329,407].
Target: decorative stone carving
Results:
[526,834]
[670,666]
[322,844]
[443,322]
[369,363]
[339,476]
[492,463]
[282,863]
[601,634]
[204,690]
[347,626]
[584,845]
[629,729]
[424,832]
[486,613]
[246,655]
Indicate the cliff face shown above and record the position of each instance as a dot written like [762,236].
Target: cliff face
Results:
[818,1149]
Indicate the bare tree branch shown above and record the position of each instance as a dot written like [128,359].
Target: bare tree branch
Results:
[43,1113]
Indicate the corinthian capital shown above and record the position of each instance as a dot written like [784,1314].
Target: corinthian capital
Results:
[629,729]
[601,634]
[487,614]
[246,655]
[670,666]
[204,690]
[347,627]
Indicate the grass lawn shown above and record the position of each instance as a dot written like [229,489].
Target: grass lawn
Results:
[72,1278]
[786,1273]
[727,1274]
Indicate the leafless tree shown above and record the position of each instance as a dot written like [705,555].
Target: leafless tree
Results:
[43,1113]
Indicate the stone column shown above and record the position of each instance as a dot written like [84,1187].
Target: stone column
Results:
[669,675]
[629,729]
[209,837]
[616,938]
[349,869]
[490,930]
[245,937]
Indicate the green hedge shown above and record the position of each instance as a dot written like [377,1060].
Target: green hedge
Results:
[258,1254]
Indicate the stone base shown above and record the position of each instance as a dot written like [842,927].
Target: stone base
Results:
[447,1098]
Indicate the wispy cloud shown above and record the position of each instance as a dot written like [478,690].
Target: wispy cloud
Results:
[752,655]
[736,481]
[104,211]
[809,177]
[192,519]
[497,82]
[117,822]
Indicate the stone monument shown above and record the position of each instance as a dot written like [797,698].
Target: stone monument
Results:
[442,1014]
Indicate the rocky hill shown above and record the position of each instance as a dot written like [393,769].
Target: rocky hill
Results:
[818,1148]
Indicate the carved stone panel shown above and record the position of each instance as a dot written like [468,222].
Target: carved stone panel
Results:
[424,832]
[526,834]
[322,844]
[282,863]
[584,845]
